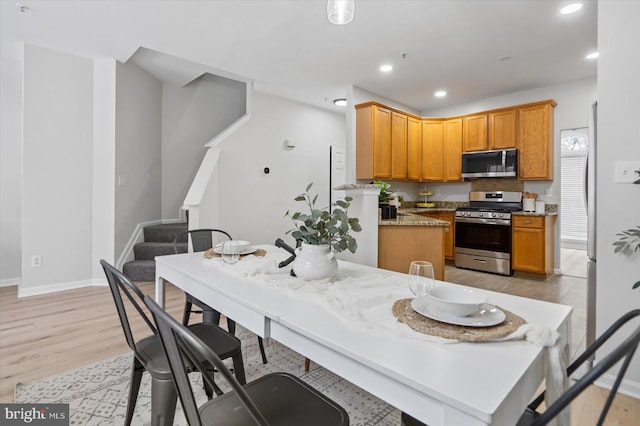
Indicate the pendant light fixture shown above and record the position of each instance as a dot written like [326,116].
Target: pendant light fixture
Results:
[340,12]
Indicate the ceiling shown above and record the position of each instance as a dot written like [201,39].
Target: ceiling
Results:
[290,49]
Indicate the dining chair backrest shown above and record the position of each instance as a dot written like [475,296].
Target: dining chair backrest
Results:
[201,239]
[179,344]
[623,352]
[119,284]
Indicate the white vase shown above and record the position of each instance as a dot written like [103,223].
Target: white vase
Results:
[314,262]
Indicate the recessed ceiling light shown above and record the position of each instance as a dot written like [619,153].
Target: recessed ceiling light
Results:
[593,55]
[340,102]
[571,8]
[440,93]
[386,68]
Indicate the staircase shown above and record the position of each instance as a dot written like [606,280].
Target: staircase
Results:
[158,241]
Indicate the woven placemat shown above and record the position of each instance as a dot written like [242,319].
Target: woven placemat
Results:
[404,312]
[210,254]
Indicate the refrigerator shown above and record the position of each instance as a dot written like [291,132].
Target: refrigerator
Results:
[590,205]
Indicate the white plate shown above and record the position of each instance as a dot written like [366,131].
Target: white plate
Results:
[488,314]
[243,251]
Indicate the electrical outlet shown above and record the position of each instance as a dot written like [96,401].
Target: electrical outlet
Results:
[36,261]
[627,171]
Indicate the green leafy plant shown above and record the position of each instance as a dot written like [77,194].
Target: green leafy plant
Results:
[385,195]
[629,241]
[320,226]
[628,244]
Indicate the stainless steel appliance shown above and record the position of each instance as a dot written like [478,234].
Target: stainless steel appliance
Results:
[500,163]
[483,231]
[590,204]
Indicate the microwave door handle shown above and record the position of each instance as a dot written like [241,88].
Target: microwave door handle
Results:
[504,161]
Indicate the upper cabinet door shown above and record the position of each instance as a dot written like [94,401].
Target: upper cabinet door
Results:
[398,146]
[535,142]
[453,150]
[414,149]
[432,150]
[475,133]
[381,143]
[502,129]
[373,142]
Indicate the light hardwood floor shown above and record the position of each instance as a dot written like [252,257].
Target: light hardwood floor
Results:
[49,334]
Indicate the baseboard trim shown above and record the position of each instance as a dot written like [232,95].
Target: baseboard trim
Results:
[627,387]
[8,282]
[54,288]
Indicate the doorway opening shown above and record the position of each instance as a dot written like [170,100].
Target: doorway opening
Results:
[573,215]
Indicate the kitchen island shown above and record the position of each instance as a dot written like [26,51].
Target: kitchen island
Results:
[411,237]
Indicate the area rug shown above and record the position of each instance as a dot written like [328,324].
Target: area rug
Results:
[97,393]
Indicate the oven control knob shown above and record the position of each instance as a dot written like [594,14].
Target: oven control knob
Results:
[481,214]
[495,215]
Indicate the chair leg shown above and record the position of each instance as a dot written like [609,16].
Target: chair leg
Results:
[163,402]
[307,364]
[261,344]
[238,367]
[136,377]
[231,326]
[187,312]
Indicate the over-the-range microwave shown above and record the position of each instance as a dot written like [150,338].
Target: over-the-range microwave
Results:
[499,163]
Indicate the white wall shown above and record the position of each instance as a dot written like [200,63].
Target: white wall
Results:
[618,205]
[57,168]
[104,153]
[191,116]
[11,166]
[138,151]
[251,203]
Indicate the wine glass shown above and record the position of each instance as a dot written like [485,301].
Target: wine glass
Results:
[230,252]
[420,277]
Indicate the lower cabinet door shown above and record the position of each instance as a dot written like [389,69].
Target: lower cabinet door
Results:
[528,250]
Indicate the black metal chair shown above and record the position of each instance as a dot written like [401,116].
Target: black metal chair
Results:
[202,240]
[624,351]
[149,355]
[274,399]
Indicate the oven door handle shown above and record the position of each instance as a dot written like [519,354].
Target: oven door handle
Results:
[484,221]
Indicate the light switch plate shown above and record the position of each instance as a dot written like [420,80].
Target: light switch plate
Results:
[627,171]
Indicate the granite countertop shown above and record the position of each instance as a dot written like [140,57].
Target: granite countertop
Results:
[550,210]
[409,219]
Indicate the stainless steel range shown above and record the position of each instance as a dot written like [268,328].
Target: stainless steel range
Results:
[483,231]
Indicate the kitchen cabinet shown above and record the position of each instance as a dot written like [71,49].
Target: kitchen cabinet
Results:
[398,146]
[503,129]
[449,231]
[474,133]
[532,244]
[399,245]
[453,150]
[373,142]
[414,148]
[432,150]
[535,141]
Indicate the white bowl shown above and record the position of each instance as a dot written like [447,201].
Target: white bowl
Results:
[242,244]
[456,300]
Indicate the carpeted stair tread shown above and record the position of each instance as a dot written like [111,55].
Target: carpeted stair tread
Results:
[163,233]
[140,270]
[149,250]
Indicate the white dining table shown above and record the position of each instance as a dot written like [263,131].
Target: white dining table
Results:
[346,325]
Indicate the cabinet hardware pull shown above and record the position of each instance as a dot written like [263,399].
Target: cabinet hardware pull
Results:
[527,221]
[480,260]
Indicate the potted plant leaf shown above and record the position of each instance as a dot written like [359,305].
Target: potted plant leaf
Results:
[323,233]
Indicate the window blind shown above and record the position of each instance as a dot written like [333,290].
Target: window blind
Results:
[573,216]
